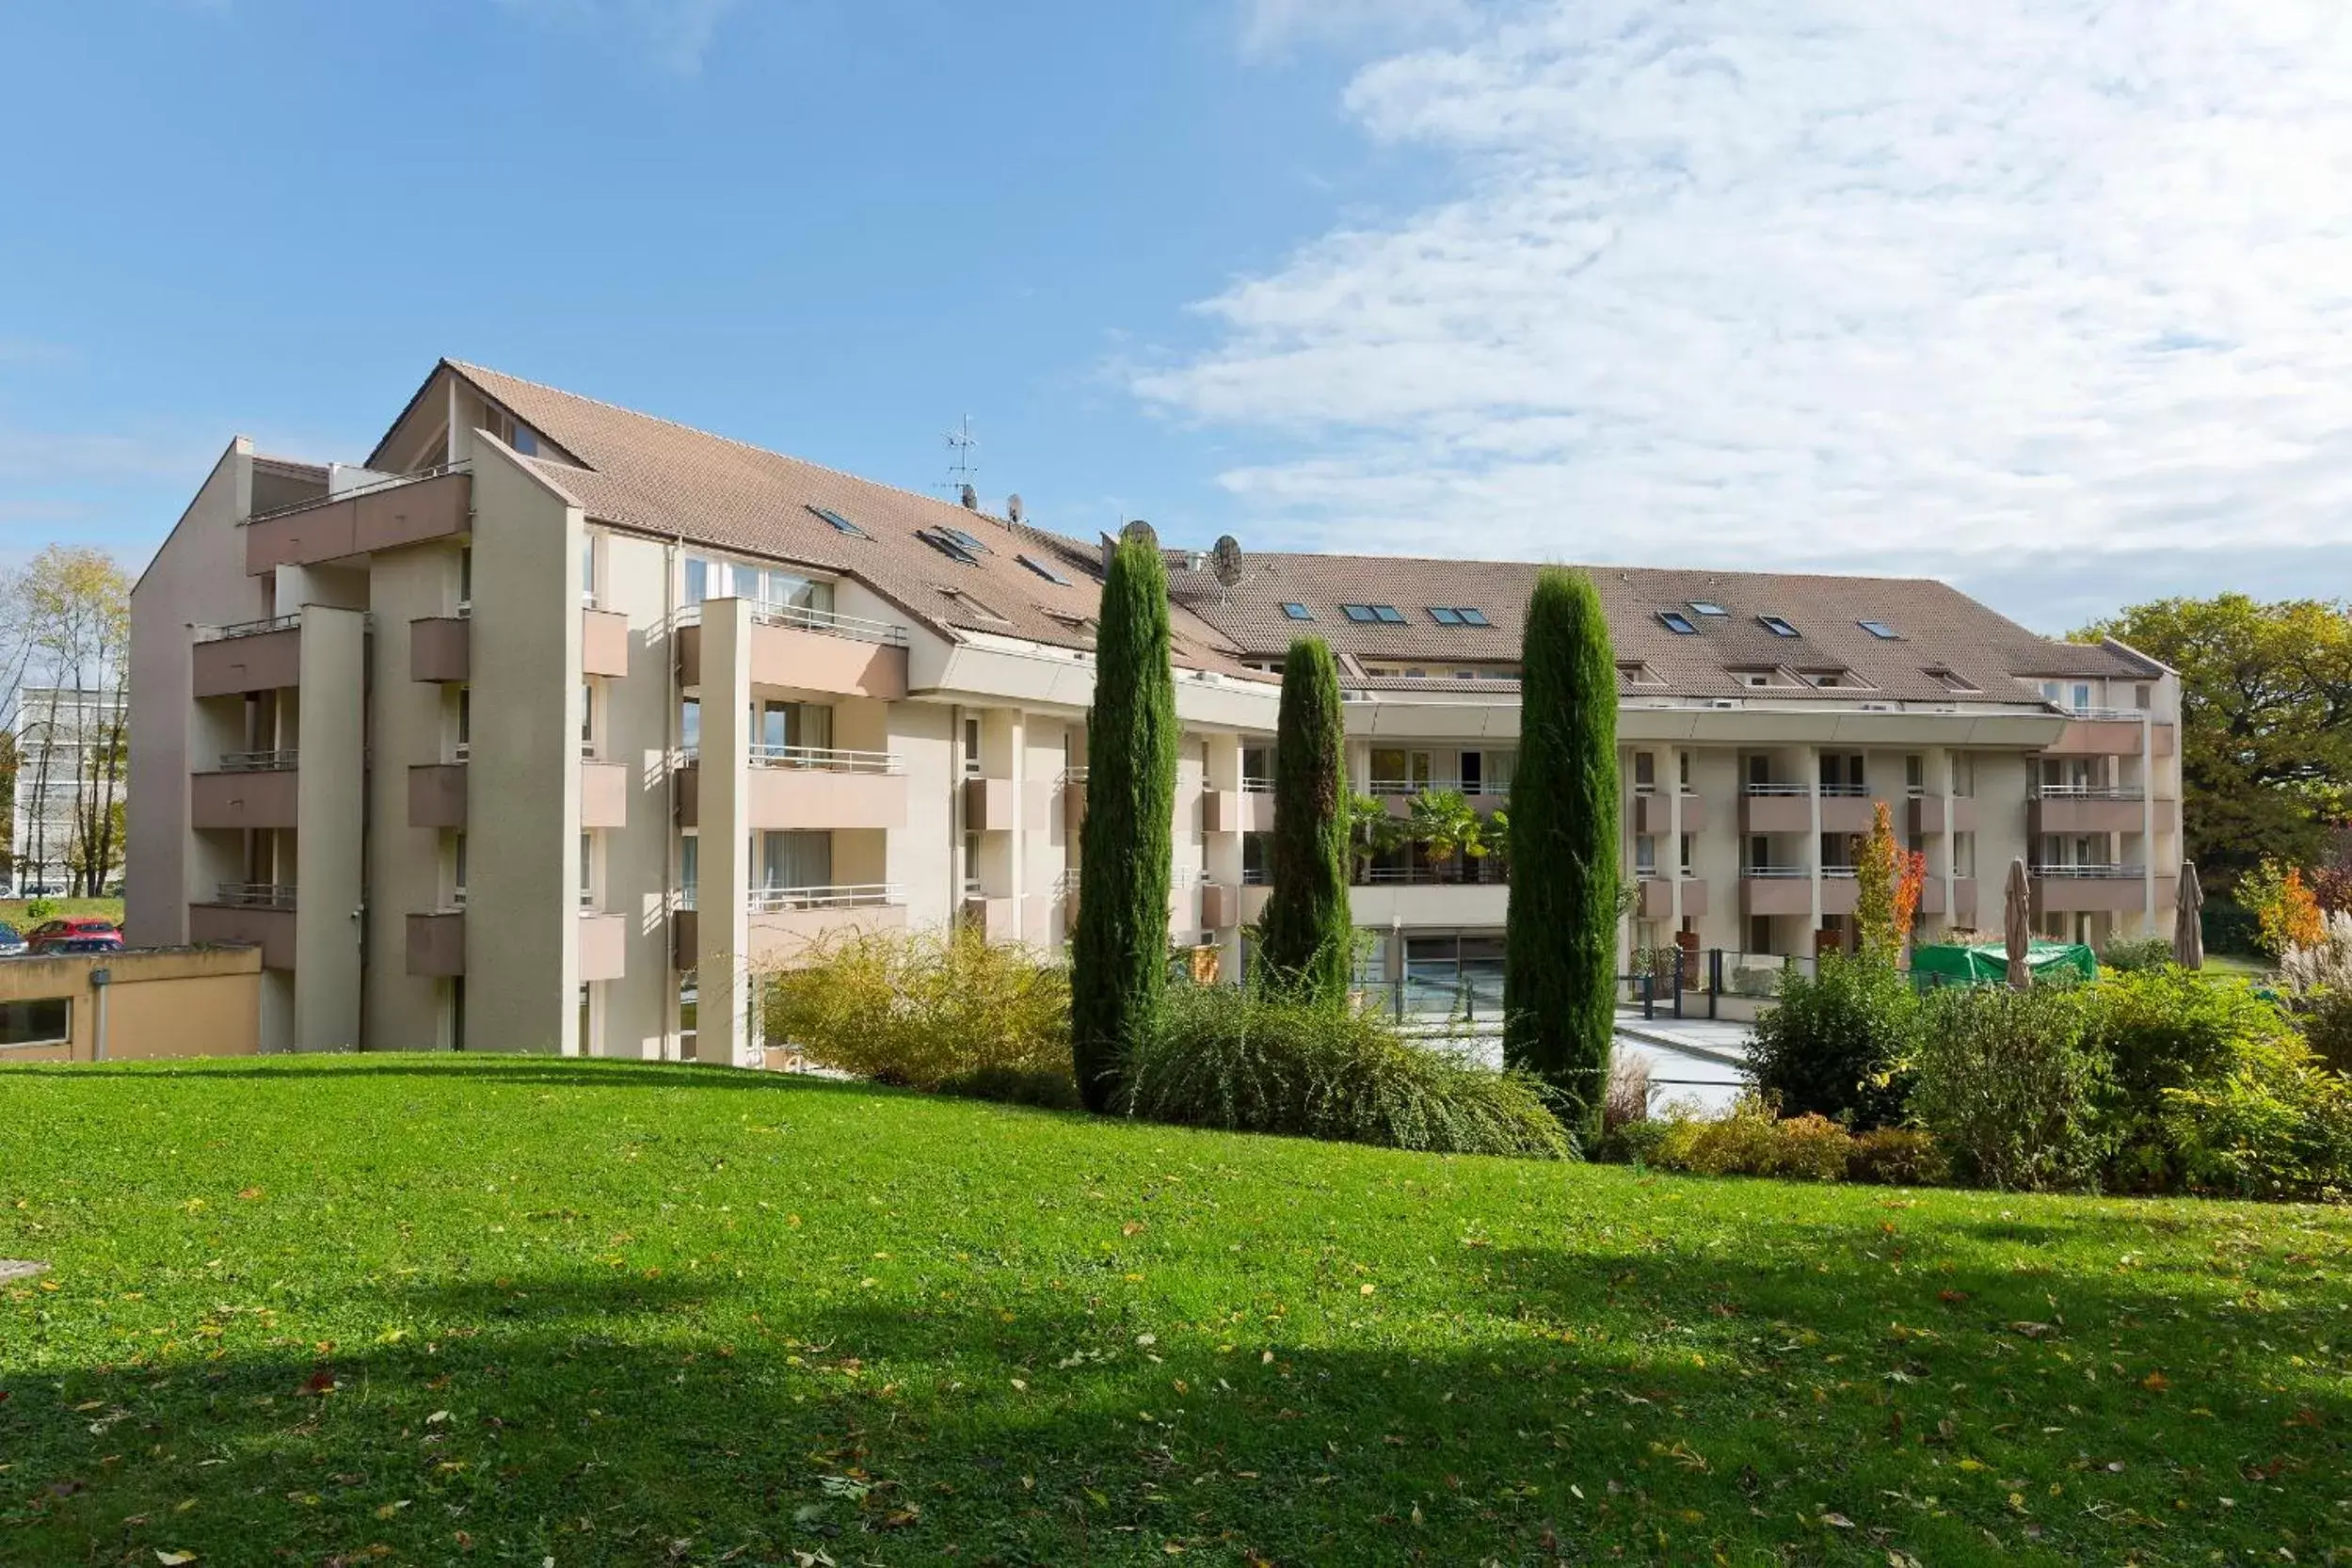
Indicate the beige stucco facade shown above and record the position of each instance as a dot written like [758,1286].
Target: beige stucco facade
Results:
[134,1006]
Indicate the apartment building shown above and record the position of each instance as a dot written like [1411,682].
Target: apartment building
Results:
[65,738]
[551,726]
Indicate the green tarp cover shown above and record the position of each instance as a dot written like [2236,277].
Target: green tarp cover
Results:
[1990,961]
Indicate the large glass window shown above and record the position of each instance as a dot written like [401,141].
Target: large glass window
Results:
[44,1021]
[689,870]
[796,860]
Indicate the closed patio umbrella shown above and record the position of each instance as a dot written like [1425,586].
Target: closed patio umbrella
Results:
[2188,926]
[2016,924]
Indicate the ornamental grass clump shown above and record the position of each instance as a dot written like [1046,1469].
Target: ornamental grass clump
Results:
[1253,1062]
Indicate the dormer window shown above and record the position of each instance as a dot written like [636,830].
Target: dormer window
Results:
[1043,571]
[972,607]
[1633,672]
[1950,678]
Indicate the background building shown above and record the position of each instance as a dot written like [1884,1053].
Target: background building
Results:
[552,724]
[63,738]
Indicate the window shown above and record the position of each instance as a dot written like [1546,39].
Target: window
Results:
[1472,616]
[1832,678]
[1707,607]
[588,718]
[1645,770]
[967,540]
[948,543]
[587,868]
[971,606]
[1645,855]
[971,865]
[1950,678]
[1387,615]
[1682,770]
[1361,613]
[587,569]
[1914,775]
[1778,627]
[796,860]
[465,719]
[1297,611]
[971,748]
[1880,630]
[457,869]
[690,722]
[1678,623]
[839,523]
[2140,696]
[1444,616]
[1633,672]
[48,1021]
[689,870]
[1964,854]
[1042,569]
[465,579]
[1760,934]
[1690,853]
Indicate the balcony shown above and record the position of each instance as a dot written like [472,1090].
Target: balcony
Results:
[1846,809]
[436,944]
[1838,889]
[807,787]
[603,643]
[1231,811]
[996,919]
[988,804]
[1776,808]
[603,793]
[1420,900]
[2098,732]
[1942,814]
[2083,809]
[1074,798]
[437,794]
[1221,907]
[248,656]
[603,945]
[252,790]
[810,650]
[1398,793]
[257,914]
[1654,812]
[784,921]
[395,511]
[440,648]
[1776,890]
[1656,900]
[2069,889]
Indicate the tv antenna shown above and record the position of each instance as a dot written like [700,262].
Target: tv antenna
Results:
[961,471]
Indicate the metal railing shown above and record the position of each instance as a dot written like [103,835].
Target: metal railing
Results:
[255,895]
[1408,787]
[2132,714]
[826,760]
[1447,875]
[2084,792]
[257,761]
[1070,777]
[248,627]
[807,619]
[389,482]
[1257,877]
[860,895]
[1776,874]
[1844,873]
[2091,871]
[1845,792]
[1798,791]
[1252,785]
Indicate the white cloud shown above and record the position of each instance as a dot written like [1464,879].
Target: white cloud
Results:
[674,34]
[1269,26]
[1775,281]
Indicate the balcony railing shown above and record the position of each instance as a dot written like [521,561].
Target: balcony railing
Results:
[1840,873]
[1798,791]
[1072,775]
[255,895]
[1257,877]
[1424,786]
[2130,715]
[830,623]
[825,760]
[2083,791]
[248,627]
[1776,874]
[1845,792]
[1252,785]
[257,761]
[863,895]
[389,482]
[1473,875]
[2089,871]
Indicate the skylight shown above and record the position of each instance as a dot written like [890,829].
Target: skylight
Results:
[974,546]
[1458,614]
[840,524]
[1472,616]
[1387,615]
[942,542]
[1708,607]
[1444,616]
[1361,613]
[1778,627]
[1881,630]
[1678,623]
[1297,611]
[1043,571]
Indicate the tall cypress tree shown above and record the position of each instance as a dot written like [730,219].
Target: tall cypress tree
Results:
[1560,956]
[1305,943]
[1119,952]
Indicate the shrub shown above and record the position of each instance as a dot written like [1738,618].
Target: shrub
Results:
[1634,1143]
[2328,1030]
[1305,941]
[1835,1044]
[2133,955]
[1051,1088]
[920,1008]
[1751,1140]
[39,909]
[1559,971]
[2286,914]
[2010,1087]
[1224,1057]
[2230,927]
[1898,1157]
[2285,1133]
[1628,1099]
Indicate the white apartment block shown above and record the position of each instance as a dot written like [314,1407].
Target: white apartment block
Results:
[63,736]
[551,726]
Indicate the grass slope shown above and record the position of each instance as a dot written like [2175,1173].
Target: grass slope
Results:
[514,1311]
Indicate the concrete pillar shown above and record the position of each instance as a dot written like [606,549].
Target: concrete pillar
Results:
[723,980]
[329,865]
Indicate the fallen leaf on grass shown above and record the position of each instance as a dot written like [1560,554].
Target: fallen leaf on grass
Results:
[173,1559]
[2155,1383]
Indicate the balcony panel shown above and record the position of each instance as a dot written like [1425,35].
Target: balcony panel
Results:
[2096,738]
[988,804]
[1849,815]
[784,936]
[1384,903]
[271,930]
[996,919]
[1943,814]
[603,643]
[1254,899]
[256,799]
[797,659]
[685,940]
[436,943]
[385,517]
[1074,803]
[2074,895]
[1775,895]
[815,798]
[1221,907]
[603,946]
[1694,898]
[1838,895]
[2081,814]
[2164,739]
[1221,811]
[604,794]
[688,787]
[440,648]
[1652,814]
[1775,813]
[437,794]
[1656,901]
[1931,896]
[262,661]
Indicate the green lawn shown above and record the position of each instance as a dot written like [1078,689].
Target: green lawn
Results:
[12,910]
[459,1309]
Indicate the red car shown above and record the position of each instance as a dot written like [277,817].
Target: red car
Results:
[73,934]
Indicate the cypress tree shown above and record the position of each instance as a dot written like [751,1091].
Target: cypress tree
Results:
[1305,945]
[1119,951]
[1560,954]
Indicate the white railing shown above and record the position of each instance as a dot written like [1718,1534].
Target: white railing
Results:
[1252,785]
[1776,874]
[2130,715]
[1840,873]
[864,895]
[826,760]
[2090,872]
[1258,876]
[832,623]
[257,761]
[1776,790]
[255,895]
[1073,776]
[2084,792]
[1845,792]
[248,627]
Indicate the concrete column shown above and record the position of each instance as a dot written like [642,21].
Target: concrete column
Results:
[330,854]
[1812,765]
[724,1012]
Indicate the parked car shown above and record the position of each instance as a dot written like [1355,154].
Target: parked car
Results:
[11,941]
[86,933]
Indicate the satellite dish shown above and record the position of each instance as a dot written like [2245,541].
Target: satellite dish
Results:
[1227,552]
[1013,508]
[1142,532]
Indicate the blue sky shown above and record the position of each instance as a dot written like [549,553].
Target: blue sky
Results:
[2052,303]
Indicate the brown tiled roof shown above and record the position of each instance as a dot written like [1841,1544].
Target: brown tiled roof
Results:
[1938,625]
[657,477]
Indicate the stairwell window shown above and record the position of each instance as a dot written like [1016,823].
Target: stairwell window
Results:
[587,571]
[971,748]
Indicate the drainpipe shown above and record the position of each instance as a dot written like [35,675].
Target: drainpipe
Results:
[673,859]
[100,978]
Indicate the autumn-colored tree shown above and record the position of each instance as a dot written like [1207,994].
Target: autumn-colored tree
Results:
[1887,883]
[2286,915]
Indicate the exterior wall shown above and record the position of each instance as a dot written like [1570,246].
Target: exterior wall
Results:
[330,871]
[168,1002]
[407,1010]
[637,581]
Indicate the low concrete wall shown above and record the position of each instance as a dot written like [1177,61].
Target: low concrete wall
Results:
[156,1002]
